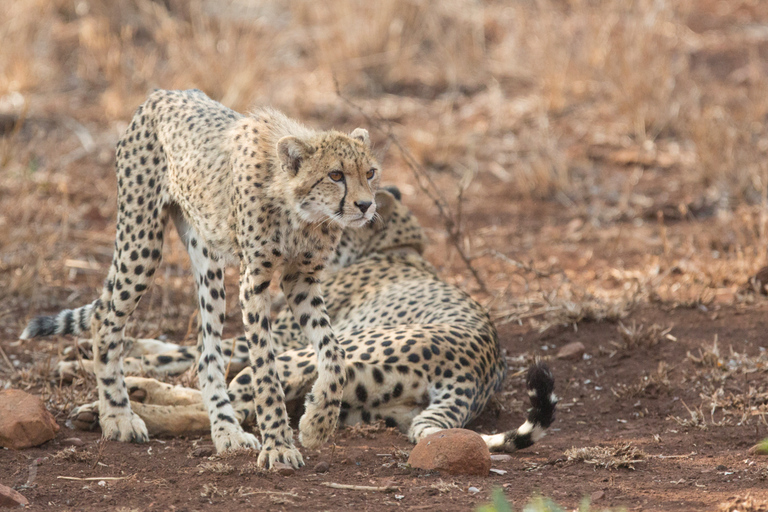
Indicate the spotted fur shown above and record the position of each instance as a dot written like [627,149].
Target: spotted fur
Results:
[420,354]
[261,190]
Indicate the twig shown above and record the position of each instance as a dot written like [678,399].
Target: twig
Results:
[7,361]
[251,493]
[95,478]
[101,444]
[675,456]
[421,176]
[387,488]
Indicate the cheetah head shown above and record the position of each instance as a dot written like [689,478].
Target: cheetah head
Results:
[333,177]
[394,228]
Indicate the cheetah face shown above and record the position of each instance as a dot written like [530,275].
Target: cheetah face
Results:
[394,227]
[334,177]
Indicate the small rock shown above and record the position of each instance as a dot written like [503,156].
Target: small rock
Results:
[72,441]
[322,467]
[10,498]
[203,451]
[284,469]
[597,495]
[456,451]
[473,490]
[500,457]
[572,350]
[24,420]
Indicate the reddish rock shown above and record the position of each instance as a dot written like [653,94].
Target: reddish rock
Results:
[283,469]
[24,420]
[10,498]
[573,350]
[456,451]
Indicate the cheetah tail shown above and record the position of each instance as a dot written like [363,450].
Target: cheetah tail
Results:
[69,321]
[541,385]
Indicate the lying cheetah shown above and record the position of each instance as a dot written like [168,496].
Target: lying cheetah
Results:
[420,354]
[264,189]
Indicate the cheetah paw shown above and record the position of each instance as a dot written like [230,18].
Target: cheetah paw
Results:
[84,417]
[285,454]
[124,427]
[230,438]
[318,423]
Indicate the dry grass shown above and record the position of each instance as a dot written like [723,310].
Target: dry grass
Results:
[620,455]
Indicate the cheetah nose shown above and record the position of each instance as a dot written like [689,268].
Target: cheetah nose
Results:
[363,205]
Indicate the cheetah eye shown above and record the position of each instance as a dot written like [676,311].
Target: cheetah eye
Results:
[336,175]
[370,174]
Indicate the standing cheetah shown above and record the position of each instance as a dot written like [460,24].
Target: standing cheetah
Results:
[264,189]
[421,355]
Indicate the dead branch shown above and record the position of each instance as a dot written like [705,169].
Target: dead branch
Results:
[387,488]
[423,180]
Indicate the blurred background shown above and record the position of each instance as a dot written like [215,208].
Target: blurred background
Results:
[619,145]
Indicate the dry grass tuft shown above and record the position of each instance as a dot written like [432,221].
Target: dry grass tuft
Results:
[638,336]
[651,384]
[620,455]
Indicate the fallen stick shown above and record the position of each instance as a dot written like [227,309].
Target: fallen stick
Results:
[94,478]
[388,488]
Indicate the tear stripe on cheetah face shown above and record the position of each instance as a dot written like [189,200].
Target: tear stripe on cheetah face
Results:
[386,305]
[262,188]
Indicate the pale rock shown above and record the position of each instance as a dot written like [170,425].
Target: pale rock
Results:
[573,350]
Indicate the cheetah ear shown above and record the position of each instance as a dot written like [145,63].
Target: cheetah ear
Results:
[292,151]
[361,134]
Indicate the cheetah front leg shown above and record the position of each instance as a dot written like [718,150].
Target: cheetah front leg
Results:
[272,418]
[208,270]
[323,404]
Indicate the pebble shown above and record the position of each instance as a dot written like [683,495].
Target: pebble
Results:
[500,457]
[203,451]
[322,467]
[72,441]
[572,350]
[284,469]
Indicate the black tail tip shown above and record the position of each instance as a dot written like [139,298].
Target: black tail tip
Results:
[541,386]
[38,327]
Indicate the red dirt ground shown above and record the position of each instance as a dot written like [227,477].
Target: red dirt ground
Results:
[686,468]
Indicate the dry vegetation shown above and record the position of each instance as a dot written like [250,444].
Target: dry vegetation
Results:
[626,138]
[537,99]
